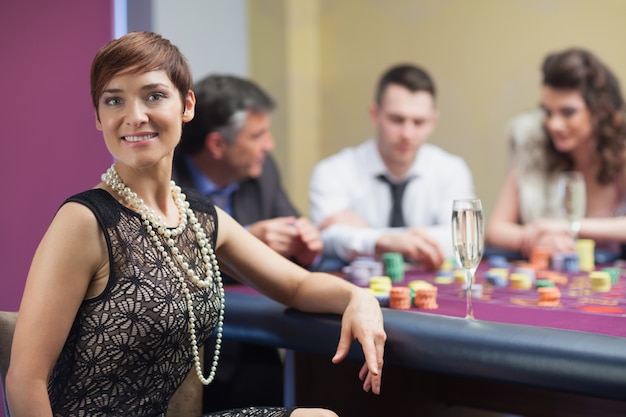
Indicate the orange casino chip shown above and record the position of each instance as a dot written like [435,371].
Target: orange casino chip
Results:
[426,298]
[549,296]
[540,258]
[400,298]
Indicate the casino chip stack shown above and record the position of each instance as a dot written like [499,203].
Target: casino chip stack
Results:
[444,276]
[400,298]
[520,281]
[394,266]
[585,250]
[425,294]
[548,296]
[380,286]
[558,261]
[600,281]
[614,272]
[498,277]
[426,298]
[460,277]
[361,269]
[540,258]
[527,269]
[566,261]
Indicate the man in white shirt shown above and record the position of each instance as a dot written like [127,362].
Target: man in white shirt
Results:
[350,193]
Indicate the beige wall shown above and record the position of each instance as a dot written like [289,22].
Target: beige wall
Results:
[322,58]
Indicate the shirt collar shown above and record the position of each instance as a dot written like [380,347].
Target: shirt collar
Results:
[203,184]
[378,166]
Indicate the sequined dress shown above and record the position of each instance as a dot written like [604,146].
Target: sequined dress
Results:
[128,349]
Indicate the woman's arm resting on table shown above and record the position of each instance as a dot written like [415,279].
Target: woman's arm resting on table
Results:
[503,230]
[606,228]
[278,278]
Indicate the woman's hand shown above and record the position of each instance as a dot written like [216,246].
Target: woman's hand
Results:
[553,234]
[363,320]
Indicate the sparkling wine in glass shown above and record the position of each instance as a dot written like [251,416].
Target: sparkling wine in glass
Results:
[573,199]
[468,239]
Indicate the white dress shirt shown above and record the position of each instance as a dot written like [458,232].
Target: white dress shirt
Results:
[347,181]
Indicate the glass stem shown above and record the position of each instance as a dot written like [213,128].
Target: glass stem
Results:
[469,278]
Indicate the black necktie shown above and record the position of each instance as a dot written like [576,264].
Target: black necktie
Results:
[396,219]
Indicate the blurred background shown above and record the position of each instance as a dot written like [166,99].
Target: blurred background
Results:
[320,59]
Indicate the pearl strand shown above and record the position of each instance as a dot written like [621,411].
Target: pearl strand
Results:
[155,228]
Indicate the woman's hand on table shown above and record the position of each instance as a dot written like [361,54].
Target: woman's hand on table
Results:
[553,234]
[363,320]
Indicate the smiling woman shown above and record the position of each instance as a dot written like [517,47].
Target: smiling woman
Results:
[568,120]
[125,286]
[141,117]
[581,127]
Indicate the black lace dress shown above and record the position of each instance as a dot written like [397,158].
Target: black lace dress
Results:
[129,349]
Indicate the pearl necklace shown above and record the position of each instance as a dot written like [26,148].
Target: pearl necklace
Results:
[156,228]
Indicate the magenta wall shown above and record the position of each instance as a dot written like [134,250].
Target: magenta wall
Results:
[49,147]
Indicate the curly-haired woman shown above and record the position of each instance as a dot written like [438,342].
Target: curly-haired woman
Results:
[580,127]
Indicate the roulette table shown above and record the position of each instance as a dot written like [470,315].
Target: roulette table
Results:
[516,358]
[580,308]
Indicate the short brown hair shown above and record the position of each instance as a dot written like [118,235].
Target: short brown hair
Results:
[135,53]
[409,76]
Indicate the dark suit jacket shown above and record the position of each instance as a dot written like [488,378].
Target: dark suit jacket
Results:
[256,199]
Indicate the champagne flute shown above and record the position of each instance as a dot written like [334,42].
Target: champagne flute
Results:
[573,199]
[468,233]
